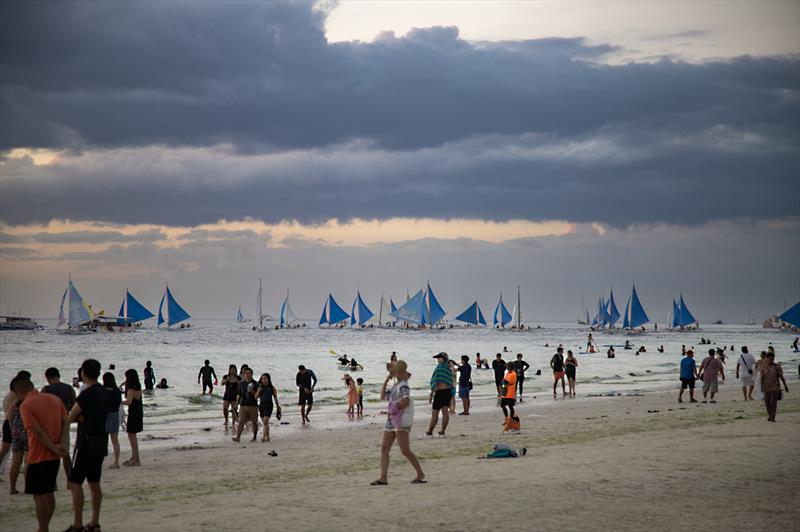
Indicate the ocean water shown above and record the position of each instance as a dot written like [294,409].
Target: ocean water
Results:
[181,413]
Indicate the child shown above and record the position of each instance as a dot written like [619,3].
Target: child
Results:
[360,390]
[511,425]
[352,394]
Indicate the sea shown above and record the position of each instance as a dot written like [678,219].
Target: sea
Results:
[180,415]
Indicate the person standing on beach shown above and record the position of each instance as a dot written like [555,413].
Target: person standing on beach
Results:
[590,344]
[149,376]
[47,425]
[499,367]
[441,385]
[248,405]
[520,366]
[400,416]
[352,394]
[360,391]
[91,445]
[19,437]
[570,367]
[688,374]
[306,382]
[771,379]
[710,369]
[66,393]
[760,363]
[112,419]
[745,370]
[464,384]
[508,393]
[267,395]
[135,424]
[207,374]
[557,364]
[230,383]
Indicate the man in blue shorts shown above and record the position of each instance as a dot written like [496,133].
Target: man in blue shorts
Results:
[688,376]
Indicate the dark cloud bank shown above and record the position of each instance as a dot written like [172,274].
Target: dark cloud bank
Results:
[422,125]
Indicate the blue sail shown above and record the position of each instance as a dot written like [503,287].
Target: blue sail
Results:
[501,314]
[472,315]
[625,322]
[685,317]
[239,315]
[675,317]
[160,307]
[132,311]
[175,313]
[638,316]
[360,313]
[394,307]
[432,311]
[602,318]
[792,316]
[412,310]
[613,313]
[332,313]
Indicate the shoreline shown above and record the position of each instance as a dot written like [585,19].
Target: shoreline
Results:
[640,450]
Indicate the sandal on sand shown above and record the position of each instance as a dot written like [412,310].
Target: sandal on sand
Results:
[75,529]
[93,528]
[378,483]
[419,481]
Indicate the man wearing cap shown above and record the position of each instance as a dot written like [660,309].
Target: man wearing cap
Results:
[441,393]
[688,376]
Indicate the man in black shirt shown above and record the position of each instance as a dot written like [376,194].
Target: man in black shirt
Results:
[557,364]
[499,367]
[248,405]
[306,381]
[464,384]
[66,393]
[91,445]
[520,366]
[207,372]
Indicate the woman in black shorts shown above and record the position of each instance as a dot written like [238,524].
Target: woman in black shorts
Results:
[570,366]
[229,399]
[266,395]
[133,400]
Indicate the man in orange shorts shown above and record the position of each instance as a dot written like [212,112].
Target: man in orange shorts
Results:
[557,363]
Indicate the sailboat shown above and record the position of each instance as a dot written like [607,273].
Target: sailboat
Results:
[260,307]
[423,309]
[791,317]
[516,314]
[501,317]
[332,313]
[171,313]
[386,311]
[287,317]
[682,317]
[132,312]
[634,316]
[79,313]
[472,315]
[239,315]
[611,311]
[360,313]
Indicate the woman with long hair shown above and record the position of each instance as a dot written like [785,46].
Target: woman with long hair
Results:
[133,400]
[230,383]
[112,419]
[267,397]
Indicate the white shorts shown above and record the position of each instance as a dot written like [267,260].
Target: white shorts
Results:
[747,380]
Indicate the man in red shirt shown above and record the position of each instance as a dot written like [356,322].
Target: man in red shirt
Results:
[47,424]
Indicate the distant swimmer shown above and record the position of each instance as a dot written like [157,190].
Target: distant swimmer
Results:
[660,349]
[627,344]
[206,373]
[162,385]
[611,353]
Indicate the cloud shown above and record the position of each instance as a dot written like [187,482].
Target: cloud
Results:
[94,237]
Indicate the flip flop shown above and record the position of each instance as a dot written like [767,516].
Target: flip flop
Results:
[378,483]
[419,481]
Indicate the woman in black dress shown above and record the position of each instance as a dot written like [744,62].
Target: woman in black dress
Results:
[133,400]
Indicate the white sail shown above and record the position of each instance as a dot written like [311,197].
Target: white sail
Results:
[79,311]
[516,313]
[385,312]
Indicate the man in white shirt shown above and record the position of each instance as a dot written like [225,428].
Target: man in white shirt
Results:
[745,372]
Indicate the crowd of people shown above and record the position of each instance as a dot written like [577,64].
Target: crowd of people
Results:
[37,424]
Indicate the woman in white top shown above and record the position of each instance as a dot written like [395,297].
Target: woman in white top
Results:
[399,420]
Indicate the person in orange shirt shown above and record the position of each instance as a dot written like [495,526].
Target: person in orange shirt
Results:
[508,396]
[47,425]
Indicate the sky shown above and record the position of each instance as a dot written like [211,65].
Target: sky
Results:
[568,147]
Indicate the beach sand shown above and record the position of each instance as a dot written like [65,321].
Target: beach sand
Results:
[623,463]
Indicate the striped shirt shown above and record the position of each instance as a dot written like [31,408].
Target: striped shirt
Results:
[442,374]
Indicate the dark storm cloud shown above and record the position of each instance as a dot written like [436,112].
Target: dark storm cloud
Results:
[95,237]
[427,124]
[257,75]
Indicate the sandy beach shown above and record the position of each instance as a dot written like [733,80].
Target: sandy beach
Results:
[620,463]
